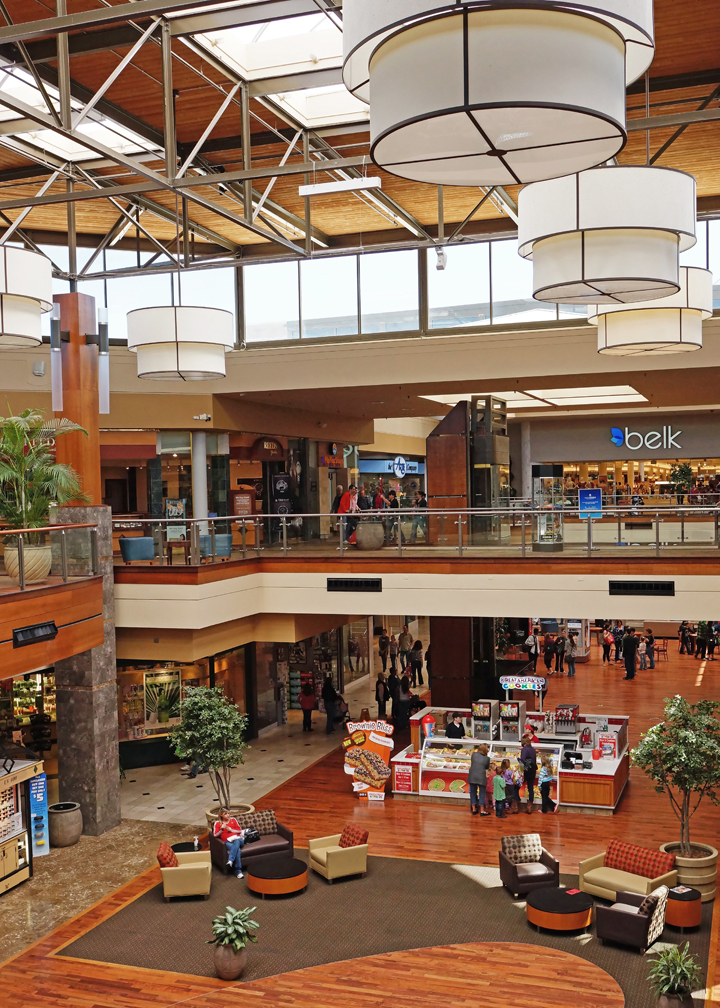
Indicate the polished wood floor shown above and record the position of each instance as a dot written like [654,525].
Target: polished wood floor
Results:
[318,802]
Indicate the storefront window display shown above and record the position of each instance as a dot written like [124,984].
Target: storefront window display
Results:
[355,651]
[149,695]
[266,677]
[26,696]
[229,675]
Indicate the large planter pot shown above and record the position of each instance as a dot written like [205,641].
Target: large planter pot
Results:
[697,872]
[370,535]
[214,813]
[66,824]
[675,1001]
[38,561]
[228,963]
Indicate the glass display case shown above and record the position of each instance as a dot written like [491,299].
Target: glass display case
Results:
[444,766]
[548,497]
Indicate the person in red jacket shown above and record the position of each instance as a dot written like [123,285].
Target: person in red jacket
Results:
[307,704]
[229,831]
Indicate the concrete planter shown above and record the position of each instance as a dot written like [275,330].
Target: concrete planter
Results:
[228,963]
[699,873]
[370,535]
[38,561]
[213,814]
[66,824]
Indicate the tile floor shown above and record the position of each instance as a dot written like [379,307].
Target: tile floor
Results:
[164,794]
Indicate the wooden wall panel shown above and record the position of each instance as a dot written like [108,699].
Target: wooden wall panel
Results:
[451,638]
[446,467]
[71,640]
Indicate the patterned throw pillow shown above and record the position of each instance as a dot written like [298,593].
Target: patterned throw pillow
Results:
[264,822]
[638,860]
[166,856]
[522,849]
[353,836]
[648,905]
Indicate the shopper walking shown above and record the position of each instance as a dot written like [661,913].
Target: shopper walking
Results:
[382,695]
[618,632]
[393,648]
[329,696]
[548,652]
[416,663]
[499,790]
[404,644]
[546,778]
[419,522]
[532,648]
[395,522]
[686,645]
[384,648]
[701,640]
[528,755]
[629,649]
[571,650]
[711,642]
[608,642]
[477,780]
[402,718]
[650,648]
[307,705]
[336,500]
[560,646]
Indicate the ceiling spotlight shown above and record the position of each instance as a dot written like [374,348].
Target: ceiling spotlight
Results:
[441,259]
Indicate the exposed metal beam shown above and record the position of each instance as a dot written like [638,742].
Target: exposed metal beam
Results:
[674,119]
[121,12]
[235,17]
[296,82]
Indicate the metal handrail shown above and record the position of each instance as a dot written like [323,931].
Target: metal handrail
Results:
[62,529]
[47,528]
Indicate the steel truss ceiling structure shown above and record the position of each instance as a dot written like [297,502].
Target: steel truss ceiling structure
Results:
[137,125]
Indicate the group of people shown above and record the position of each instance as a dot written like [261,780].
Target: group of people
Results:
[632,649]
[397,687]
[702,642]
[558,650]
[501,785]
[356,501]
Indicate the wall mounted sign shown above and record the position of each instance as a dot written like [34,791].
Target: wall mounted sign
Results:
[267,449]
[590,503]
[665,439]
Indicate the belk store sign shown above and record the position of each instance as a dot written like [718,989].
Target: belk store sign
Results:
[618,438]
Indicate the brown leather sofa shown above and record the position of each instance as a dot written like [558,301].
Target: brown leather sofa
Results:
[521,873]
[274,839]
[622,922]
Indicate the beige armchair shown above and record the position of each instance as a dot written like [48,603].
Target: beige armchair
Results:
[192,877]
[332,861]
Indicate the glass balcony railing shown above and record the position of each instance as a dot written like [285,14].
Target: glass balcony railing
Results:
[514,530]
[45,556]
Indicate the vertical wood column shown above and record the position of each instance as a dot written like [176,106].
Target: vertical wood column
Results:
[80,392]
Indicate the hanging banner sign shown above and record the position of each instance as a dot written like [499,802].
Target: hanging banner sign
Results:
[367,757]
[509,682]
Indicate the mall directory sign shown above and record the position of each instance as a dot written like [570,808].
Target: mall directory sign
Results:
[368,747]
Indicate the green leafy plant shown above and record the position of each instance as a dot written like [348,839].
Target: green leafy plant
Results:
[212,734]
[681,755]
[682,476]
[675,971]
[30,478]
[235,928]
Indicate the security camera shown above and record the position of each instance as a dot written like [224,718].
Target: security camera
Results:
[441,259]
[203,416]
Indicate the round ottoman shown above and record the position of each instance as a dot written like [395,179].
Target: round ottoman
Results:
[558,910]
[276,876]
[684,909]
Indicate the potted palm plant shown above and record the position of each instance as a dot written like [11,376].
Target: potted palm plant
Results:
[673,975]
[30,481]
[232,933]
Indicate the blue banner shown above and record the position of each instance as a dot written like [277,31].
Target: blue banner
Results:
[38,825]
[590,503]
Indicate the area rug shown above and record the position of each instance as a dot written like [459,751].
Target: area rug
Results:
[400,904]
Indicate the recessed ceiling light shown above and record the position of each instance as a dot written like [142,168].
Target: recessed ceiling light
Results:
[574,393]
[597,400]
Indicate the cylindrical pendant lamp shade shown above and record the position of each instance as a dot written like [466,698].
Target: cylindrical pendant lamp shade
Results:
[667,325]
[25,293]
[607,235]
[497,93]
[180,343]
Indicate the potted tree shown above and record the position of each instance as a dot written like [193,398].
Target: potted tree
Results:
[30,481]
[212,733]
[232,933]
[673,975]
[681,475]
[681,756]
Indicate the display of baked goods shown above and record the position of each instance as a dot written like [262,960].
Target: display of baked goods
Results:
[369,767]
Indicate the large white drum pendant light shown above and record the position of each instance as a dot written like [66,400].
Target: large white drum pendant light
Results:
[665,326]
[181,343]
[25,293]
[608,235]
[493,93]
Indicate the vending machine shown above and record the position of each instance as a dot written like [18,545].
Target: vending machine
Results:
[512,720]
[485,720]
